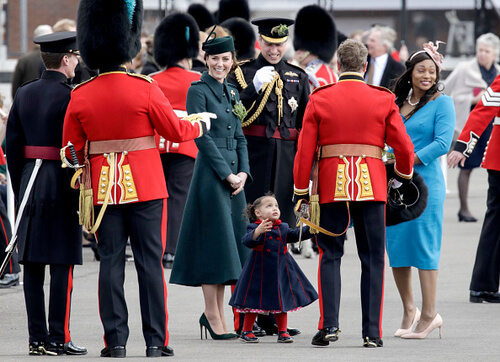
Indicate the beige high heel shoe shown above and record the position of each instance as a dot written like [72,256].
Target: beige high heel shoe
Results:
[437,322]
[401,331]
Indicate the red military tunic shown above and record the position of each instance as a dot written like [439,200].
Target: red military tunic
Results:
[487,108]
[135,109]
[362,114]
[175,82]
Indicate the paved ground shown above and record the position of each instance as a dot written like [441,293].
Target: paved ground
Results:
[471,332]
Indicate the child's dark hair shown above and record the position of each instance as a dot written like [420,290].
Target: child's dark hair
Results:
[251,207]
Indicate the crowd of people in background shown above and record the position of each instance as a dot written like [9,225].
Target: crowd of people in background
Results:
[224,113]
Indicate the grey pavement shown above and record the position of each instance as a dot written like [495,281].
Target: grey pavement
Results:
[471,332]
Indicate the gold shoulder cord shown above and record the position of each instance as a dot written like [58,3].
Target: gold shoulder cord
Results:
[240,78]
[268,87]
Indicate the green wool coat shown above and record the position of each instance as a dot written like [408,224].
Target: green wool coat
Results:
[209,250]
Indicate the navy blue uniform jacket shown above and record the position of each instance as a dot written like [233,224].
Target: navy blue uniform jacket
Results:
[271,280]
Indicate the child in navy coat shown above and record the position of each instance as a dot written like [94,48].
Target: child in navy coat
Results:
[271,281]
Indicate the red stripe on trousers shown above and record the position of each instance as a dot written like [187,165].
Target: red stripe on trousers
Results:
[67,336]
[320,291]
[163,244]
[7,242]
[236,315]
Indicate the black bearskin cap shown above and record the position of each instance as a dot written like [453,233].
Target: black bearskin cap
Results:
[233,8]
[315,31]
[109,31]
[411,205]
[177,37]
[203,17]
[244,37]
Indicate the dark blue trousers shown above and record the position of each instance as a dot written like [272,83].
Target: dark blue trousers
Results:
[144,223]
[369,229]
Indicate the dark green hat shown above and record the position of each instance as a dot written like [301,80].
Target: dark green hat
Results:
[60,42]
[217,45]
[273,30]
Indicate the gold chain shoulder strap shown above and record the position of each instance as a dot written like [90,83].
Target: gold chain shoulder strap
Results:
[268,89]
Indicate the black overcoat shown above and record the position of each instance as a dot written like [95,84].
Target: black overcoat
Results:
[49,232]
[271,280]
[271,159]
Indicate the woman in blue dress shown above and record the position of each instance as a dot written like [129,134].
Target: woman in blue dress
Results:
[429,118]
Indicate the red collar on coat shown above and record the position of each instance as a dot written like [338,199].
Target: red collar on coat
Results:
[277,222]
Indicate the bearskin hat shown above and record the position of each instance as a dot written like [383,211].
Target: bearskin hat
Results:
[202,15]
[243,35]
[109,31]
[176,38]
[233,8]
[406,202]
[315,31]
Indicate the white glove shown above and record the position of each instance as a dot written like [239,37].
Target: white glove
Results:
[263,75]
[205,118]
[396,184]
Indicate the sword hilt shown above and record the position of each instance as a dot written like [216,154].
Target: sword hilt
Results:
[74,158]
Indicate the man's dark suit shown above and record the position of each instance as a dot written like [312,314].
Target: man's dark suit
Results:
[393,69]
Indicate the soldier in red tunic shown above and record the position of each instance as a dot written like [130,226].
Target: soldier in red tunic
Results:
[345,127]
[485,276]
[315,45]
[116,115]
[174,47]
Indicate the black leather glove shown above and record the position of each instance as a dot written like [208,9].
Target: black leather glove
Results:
[296,198]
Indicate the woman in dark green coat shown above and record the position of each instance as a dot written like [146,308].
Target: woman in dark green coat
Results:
[209,251]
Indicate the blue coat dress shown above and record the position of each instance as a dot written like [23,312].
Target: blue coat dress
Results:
[417,243]
[271,280]
[209,250]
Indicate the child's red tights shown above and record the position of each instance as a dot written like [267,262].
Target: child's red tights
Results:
[281,321]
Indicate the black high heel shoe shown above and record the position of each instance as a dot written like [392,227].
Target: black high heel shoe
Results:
[204,323]
[465,218]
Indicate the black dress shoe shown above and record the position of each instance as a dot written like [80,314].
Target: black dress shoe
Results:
[259,332]
[273,329]
[479,297]
[38,349]
[324,336]
[284,337]
[370,342]
[53,348]
[114,351]
[9,280]
[168,261]
[71,349]
[159,351]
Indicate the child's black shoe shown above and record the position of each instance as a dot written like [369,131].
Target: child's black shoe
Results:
[284,337]
[248,337]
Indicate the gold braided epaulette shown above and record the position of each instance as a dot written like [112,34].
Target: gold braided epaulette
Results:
[141,76]
[380,88]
